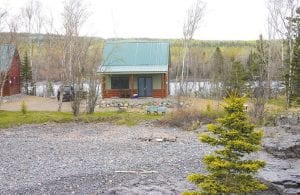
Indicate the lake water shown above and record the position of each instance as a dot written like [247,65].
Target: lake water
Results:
[193,88]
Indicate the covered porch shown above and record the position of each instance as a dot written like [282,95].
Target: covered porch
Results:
[135,85]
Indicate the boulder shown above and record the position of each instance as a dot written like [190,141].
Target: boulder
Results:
[284,181]
[282,146]
[282,142]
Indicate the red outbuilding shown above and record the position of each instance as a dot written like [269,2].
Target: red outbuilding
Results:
[10,65]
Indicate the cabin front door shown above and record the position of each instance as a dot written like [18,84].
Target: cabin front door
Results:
[145,86]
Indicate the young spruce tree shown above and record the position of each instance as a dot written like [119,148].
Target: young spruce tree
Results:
[235,137]
[295,96]
[294,72]
[26,73]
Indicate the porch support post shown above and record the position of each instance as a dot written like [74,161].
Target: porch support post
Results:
[131,85]
[162,93]
[166,84]
[103,87]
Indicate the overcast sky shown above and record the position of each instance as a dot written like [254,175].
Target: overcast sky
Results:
[223,20]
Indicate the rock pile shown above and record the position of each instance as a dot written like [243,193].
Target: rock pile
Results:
[291,119]
[159,137]
[136,103]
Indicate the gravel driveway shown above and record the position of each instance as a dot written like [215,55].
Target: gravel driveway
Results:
[97,159]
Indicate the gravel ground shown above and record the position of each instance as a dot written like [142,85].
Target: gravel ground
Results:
[97,159]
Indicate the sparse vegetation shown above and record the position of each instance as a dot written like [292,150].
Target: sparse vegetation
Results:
[23,107]
[189,119]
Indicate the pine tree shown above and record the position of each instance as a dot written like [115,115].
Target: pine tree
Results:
[229,171]
[295,95]
[217,62]
[26,73]
[237,77]
[295,65]
[218,72]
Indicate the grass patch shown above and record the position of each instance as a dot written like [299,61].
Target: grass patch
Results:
[11,119]
[280,102]
[118,118]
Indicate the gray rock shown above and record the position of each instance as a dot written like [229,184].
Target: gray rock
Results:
[286,180]
[287,120]
[283,164]
[141,190]
[284,143]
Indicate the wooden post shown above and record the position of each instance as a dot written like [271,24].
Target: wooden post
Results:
[131,85]
[166,84]
[163,85]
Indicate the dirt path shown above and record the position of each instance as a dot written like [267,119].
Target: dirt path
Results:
[34,103]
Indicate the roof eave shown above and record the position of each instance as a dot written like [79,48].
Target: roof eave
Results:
[134,72]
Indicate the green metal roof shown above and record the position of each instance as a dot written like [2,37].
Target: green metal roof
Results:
[121,57]
[6,56]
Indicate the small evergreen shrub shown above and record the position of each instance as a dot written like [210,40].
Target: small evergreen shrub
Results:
[23,107]
[208,107]
[50,89]
[229,171]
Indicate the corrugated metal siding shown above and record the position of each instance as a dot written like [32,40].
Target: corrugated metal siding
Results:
[7,53]
[121,56]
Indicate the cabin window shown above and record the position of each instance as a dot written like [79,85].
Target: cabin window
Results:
[119,82]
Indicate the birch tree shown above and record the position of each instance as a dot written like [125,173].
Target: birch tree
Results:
[259,93]
[75,50]
[192,22]
[280,14]
[93,80]
[33,20]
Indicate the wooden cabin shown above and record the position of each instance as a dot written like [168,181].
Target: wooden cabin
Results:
[135,69]
[10,66]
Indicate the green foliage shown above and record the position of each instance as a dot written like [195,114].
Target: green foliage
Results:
[208,107]
[251,66]
[279,101]
[292,76]
[237,77]
[26,73]
[295,93]
[23,107]
[10,119]
[217,61]
[229,171]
